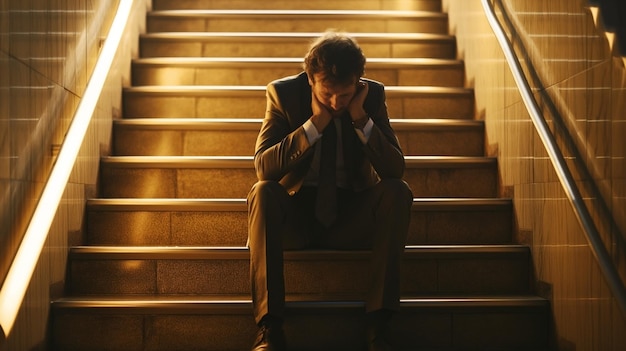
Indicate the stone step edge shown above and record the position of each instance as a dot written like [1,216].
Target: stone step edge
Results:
[259,91]
[435,5]
[242,253]
[243,305]
[300,36]
[247,162]
[290,14]
[198,124]
[239,205]
[372,63]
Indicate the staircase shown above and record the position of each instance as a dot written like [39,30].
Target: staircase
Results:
[164,264]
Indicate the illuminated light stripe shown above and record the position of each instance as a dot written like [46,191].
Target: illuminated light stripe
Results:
[23,267]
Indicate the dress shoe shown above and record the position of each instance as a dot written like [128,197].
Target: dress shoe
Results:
[376,341]
[377,325]
[270,338]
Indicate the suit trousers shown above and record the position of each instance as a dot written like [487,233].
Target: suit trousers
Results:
[375,219]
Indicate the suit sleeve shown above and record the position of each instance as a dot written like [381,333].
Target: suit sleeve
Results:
[279,148]
[383,149]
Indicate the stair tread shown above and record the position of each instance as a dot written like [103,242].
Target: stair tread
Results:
[288,36]
[209,162]
[255,123]
[207,302]
[259,90]
[374,62]
[221,253]
[290,13]
[204,204]
[242,20]
[433,5]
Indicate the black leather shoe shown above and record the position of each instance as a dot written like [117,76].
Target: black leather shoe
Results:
[377,325]
[270,338]
[378,343]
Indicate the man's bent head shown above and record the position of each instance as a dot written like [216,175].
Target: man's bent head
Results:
[336,58]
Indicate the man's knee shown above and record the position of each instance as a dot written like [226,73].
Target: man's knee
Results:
[396,190]
[264,190]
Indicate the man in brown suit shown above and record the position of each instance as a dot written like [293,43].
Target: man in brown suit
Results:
[368,204]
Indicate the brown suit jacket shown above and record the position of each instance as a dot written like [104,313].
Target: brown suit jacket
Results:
[283,152]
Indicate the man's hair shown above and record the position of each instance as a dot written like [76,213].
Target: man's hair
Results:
[337,56]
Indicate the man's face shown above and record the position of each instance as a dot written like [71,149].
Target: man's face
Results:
[335,98]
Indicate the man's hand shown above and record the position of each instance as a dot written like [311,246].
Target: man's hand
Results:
[321,116]
[356,105]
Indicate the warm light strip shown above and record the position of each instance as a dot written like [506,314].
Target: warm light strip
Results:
[23,267]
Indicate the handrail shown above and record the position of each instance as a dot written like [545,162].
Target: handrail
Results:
[558,161]
[23,266]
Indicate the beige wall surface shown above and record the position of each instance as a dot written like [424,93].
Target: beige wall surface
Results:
[48,49]
[586,80]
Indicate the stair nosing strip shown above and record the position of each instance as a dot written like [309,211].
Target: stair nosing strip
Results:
[412,252]
[247,162]
[194,90]
[196,124]
[166,205]
[383,14]
[301,36]
[190,123]
[435,124]
[238,162]
[190,205]
[462,204]
[519,301]
[194,303]
[449,161]
[259,90]
[374,62]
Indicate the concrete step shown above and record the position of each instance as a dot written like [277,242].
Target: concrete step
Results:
[236,137]
[262,70]
[415,5]
[223,222]
[467,269]
[233,176]
[278,44]
[211,323]
[249,102]
[296,21]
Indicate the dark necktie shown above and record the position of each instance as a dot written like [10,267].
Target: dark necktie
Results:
[326,205]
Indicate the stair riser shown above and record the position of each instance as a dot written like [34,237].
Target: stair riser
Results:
[417,329]
[189,142]
[292,24]
[446,274]
[140,105]
[144,74]
[230,228]
[463,181]
[414,5]
[259,47]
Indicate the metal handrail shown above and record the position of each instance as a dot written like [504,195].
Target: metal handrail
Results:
[558,161]
[17,281]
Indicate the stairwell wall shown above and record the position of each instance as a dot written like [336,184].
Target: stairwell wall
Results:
[48,50]
[585,77]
